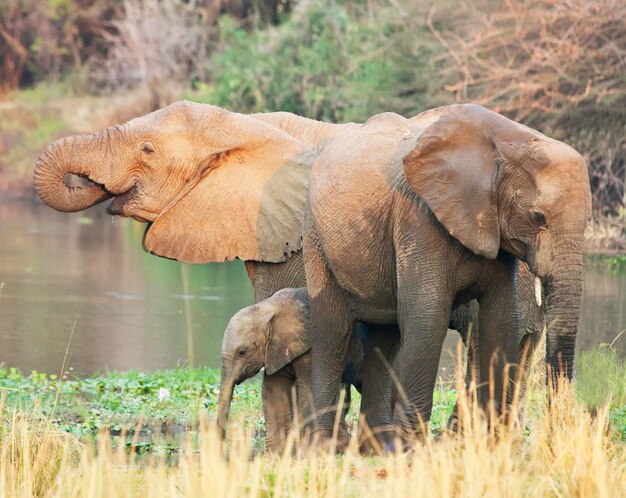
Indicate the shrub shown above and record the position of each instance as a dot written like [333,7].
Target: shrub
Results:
[335,61]
[557,66]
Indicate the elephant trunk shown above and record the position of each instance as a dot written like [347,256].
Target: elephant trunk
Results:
[563,290]
[69,156]
[227,386]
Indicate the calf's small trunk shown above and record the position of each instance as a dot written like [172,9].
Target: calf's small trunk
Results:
[227,385]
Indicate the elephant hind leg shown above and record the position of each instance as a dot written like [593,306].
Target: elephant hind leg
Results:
[380,346]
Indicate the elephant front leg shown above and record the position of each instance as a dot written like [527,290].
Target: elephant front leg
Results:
[424,303]
[417,363]
[331,324]
[276,394]
[499,340]
[331,328]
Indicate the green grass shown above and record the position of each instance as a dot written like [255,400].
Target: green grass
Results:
[601,380]
[168,400]
[169,403]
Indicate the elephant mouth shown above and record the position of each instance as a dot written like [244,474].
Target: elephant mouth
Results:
[120,204]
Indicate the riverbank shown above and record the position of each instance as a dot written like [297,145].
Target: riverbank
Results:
[66,438]
[168,403]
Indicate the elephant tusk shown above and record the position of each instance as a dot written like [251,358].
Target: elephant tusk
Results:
[538,291]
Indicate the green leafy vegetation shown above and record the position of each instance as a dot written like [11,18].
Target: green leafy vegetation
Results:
[163,401]
[332,61]
[172,402]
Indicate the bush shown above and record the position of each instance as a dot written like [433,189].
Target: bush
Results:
[335,61]
[557,66]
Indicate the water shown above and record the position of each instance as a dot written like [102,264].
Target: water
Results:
[87,273]
[79,288]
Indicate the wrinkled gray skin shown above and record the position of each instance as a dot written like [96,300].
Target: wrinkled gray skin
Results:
[148,164]
[274,334]
[439,210]
[464,319]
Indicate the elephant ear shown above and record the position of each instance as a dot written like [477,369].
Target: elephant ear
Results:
[456,167]
[289,329]
[247,202]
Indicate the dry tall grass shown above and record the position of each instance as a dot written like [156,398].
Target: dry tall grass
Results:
[564,451]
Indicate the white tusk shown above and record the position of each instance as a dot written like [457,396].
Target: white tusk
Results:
[538,291]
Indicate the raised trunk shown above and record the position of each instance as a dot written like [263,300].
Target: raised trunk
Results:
[227,385]
[70,155]
[563,301]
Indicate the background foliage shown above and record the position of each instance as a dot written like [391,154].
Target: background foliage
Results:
[557,66]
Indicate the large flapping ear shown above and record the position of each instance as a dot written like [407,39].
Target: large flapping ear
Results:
[289,328]
[247,203]
[456,168]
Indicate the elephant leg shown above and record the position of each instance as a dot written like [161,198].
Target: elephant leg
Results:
[465,320]
[380,344]
[423,316]
[500,333]
[417,360]
[276,394]
[268,278]
[304,397]
[331,333]
[332,325]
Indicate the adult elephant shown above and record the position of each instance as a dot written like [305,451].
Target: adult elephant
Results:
[213,185]
[437,211]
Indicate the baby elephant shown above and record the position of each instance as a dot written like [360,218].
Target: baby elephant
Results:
[272,334]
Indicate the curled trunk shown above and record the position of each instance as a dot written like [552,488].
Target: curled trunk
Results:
[69,156]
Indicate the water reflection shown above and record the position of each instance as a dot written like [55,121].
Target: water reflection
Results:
[87,272]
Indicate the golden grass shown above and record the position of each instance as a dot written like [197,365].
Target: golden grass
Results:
[564,451]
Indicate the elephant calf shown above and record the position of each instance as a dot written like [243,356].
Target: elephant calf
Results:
[274,333]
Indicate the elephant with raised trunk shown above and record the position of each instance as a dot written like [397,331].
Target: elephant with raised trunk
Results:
[213,185]
[431,213]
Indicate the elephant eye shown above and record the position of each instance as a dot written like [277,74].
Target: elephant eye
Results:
[147,148]
[539,219]
[241,352]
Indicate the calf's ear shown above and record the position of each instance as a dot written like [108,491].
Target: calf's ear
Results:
[289,330]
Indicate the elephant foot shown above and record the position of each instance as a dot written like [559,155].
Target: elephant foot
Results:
[343,438]
[397,445]
[323,442]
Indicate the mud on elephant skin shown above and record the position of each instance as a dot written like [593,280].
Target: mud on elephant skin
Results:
[274,334]
[440,208]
